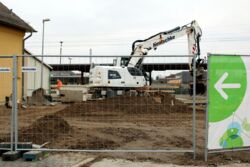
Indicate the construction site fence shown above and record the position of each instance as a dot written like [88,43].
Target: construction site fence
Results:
[37,115]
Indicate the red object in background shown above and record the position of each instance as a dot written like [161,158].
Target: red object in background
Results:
[59,84]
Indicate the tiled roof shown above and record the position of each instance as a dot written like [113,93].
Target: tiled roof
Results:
[9,18]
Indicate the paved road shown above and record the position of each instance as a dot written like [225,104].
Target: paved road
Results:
[77,160]
[53,160]
[126,163]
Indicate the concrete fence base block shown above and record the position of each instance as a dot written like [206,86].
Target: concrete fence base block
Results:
[11,155]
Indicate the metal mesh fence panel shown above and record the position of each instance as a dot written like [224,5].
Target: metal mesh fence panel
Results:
[6,65]
[111,107]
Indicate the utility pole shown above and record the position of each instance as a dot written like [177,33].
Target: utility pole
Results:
[44,20]
[90,56]
[61,42]
[70,58]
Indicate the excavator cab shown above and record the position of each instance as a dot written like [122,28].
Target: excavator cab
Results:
[124,61]
[201,84]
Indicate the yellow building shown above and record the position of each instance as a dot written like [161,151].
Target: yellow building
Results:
[12,40]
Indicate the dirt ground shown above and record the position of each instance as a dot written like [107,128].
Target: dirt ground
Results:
[155,121]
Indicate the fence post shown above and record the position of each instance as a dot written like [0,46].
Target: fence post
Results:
[14,106]
[207,108]
[194,107]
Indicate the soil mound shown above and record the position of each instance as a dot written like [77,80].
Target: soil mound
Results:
[45,129]
[150,103]
[93,142]
[126,134]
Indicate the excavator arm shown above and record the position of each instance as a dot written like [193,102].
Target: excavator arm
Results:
[140,48]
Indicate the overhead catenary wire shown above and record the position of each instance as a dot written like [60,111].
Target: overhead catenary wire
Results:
[126,44]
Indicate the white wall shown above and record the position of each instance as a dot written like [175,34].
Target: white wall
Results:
[32,80]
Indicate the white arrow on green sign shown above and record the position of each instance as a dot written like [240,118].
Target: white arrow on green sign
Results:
[220,85]
[227,86]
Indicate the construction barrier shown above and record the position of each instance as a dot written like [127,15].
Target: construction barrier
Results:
[62,110]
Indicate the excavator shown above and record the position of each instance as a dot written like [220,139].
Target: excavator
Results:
[127,73]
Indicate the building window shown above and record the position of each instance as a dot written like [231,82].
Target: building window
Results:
[113,74]
[135,71]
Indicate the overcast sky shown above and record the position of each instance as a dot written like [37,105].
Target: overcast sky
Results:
[110,26]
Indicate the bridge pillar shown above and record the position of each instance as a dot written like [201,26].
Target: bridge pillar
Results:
[82,78]
[150,77]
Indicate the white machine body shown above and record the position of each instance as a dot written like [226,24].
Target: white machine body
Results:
[116,77]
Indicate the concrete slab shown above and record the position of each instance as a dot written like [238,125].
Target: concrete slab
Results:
[71,96]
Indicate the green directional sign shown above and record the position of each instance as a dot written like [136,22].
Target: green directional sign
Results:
[227,86]
[228,101]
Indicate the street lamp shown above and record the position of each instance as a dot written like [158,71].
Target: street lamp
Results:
[61,42]
[90,58]
[44,20]
[70,58]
